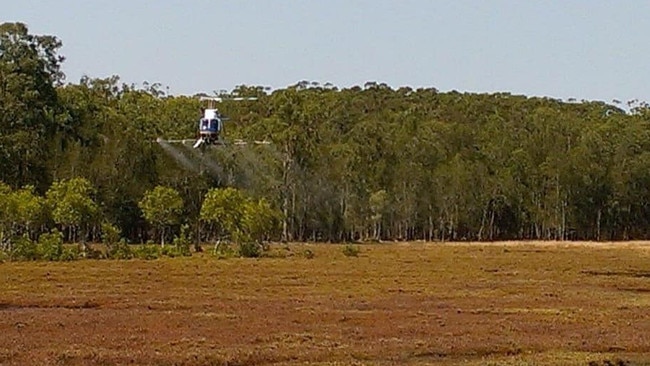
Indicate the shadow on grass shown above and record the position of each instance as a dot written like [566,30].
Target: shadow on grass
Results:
[631,273]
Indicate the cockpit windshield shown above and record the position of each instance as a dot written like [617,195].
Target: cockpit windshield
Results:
[210,125]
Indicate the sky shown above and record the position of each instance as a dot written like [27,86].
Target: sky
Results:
[587,49]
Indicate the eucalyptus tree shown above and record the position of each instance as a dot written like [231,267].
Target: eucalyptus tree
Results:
[30,70]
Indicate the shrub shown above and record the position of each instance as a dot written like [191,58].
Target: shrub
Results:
[351,250]
[250,249]
[308,253]
[24,249]
[70,254]
[90,253]
[175,251]
[110,234]
[50,246]
[182,243]
[223,250]
[147,251]
[120,250]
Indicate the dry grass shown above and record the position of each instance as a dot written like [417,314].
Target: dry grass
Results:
[504,303]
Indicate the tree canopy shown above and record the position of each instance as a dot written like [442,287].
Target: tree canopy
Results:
[365,162]
[162,207]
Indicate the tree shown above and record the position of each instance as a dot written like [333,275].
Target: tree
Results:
[72,206]
[28,210]
[377,204]
[162,207]
[260,220]
[236,216]
[225,210]
[344,164]
[29,73]
[6,207]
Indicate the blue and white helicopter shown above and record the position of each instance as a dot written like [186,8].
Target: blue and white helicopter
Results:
[210,127]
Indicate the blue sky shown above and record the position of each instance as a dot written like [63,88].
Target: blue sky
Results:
[588,49]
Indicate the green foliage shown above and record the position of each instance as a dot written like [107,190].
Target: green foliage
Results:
[225,208]
[110,234]
[181,245]
[24,249]
[50,246]
[70,254]
[260,221]
[308,254]
[350,250]
[29,71]
[147,252]
[22,211]
[223,250]
[6,218]
[349,164]
[120,250]
[250,249]
[238,216]
[71,203]
[162,207]
[92,253]
[28,208]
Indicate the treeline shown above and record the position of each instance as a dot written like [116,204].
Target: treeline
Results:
[34,227]
[362,163]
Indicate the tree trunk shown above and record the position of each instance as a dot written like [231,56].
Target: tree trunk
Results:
[598,220]
[286,164]
[162,236]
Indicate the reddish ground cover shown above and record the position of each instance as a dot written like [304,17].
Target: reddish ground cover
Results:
[503,303]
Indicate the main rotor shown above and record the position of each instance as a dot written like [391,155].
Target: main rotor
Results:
[212,101]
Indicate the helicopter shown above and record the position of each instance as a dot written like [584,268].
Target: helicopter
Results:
[210,127]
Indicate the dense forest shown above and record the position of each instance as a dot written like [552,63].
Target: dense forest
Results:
[362,163]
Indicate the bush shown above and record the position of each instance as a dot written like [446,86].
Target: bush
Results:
[181,244]
[351,250]
[24,249]
[120,250]
[110,234]
[250,249]
[147,252]
[175,251]
[308,253]
[70,254]
[223,250]
[90,253]
[50,246]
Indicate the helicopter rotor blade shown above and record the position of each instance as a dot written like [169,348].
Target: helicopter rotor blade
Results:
[240,142]
[220,99]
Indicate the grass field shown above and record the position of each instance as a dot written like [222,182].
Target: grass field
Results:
[412,304]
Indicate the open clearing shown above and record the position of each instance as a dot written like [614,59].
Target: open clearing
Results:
[413,304]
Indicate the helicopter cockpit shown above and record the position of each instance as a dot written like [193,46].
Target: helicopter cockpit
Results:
[209,125]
